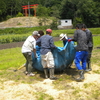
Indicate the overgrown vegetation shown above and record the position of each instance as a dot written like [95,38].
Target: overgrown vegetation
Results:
[82,11]
[20,34]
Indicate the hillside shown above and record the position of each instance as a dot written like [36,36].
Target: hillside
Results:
[23,22]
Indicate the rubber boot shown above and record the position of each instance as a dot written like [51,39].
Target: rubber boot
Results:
[46,72]
[51,72]
[88,67]
[81,73]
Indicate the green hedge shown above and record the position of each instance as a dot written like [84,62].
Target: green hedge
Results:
[21,30]
[12,38]
[20,34]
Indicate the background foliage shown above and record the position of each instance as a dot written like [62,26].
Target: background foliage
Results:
[85,11]
[9,35]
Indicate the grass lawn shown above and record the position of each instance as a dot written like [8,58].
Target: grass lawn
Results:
[11,59]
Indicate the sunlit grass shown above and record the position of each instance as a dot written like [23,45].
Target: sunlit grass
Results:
[95,56]
[96,40]
[14,58]
[59,43]
[11,58]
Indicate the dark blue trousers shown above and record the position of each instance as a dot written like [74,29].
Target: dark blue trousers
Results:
[80,60]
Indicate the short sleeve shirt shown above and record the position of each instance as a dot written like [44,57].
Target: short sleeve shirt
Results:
[29,44]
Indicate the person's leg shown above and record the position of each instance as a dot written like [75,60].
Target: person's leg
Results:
[26,65]
[81,73]
[89,59]
[84,59]
[30,62]
[78,57]
[46,72]
[50,64]
[44,64]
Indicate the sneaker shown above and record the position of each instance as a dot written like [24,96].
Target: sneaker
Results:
[87,70]
[54,78]
[31,74]
[26,73]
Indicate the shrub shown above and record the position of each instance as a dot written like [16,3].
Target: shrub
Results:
[19,14]
[54,24]
[8,17]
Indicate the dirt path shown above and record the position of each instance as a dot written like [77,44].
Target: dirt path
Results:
[17,44]
[11,90]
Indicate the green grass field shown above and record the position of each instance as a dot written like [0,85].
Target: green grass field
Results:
[14,58]
[11,59]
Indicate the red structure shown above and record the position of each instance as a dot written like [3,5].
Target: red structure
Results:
[26,7]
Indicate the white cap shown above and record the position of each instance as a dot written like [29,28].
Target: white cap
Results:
[63,36]
[35,33]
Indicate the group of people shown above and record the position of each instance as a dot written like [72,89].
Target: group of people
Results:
[84,47]
[47,44]
[84,39]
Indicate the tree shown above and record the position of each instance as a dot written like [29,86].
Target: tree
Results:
[86,11]
[2,10]
[68,9]
[43,11]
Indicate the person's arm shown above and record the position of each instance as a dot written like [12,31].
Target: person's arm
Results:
[34,48]
[38,42]
[75,37]
[34,51]
[91,37]
[52,43]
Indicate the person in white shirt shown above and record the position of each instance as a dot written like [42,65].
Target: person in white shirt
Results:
[28,47]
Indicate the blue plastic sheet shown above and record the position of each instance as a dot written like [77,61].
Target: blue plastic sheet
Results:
[63,57]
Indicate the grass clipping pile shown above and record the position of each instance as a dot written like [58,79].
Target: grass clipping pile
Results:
[45,89]
[24,22]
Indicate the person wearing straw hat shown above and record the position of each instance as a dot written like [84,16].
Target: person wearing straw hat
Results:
[63,37]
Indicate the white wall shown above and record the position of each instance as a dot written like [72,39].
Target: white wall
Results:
[66,22]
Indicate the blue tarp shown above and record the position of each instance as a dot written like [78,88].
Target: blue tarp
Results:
[63,57]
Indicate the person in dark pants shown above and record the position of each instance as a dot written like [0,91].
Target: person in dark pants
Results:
[81,50]
[28,47]
[47,60]
[90,46]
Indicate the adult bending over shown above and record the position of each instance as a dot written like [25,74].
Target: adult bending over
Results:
[28,47]
[47,44]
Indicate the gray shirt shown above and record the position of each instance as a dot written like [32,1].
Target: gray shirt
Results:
[81,39]
[90,38]
[46,42]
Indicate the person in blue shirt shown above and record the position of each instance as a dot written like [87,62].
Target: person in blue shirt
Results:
[47,60]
